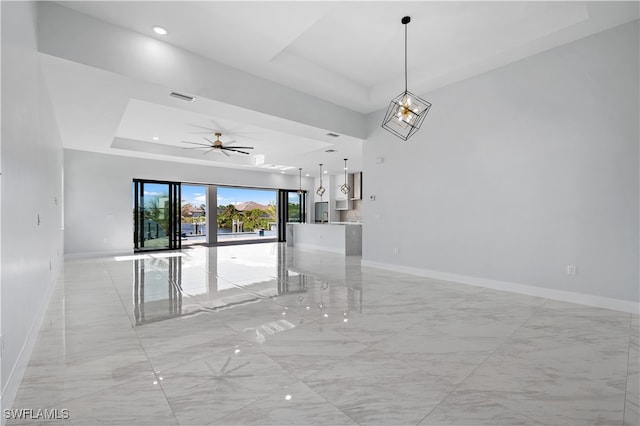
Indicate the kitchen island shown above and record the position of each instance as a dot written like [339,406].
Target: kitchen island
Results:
[337,237]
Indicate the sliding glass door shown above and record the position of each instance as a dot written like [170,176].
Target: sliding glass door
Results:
[156,212]
[291,208]
[246,215]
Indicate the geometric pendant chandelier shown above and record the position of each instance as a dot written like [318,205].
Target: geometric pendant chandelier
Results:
[406,111]
[300,191]
[321,189]
[345,188]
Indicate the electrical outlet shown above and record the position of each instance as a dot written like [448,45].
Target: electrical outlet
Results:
[571,269]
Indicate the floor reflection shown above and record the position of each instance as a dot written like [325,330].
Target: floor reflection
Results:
[205,280]
[156,290]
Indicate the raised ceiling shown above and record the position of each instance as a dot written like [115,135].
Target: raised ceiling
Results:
[351,53]
[347,53]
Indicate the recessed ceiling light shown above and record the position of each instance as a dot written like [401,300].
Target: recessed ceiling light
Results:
[325,172]
[159,30]
[282,172]
[307,175]
[155,138]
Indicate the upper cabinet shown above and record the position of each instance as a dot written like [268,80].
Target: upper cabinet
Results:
[356,187]
[343,201]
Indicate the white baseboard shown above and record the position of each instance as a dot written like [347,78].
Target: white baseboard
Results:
[529,290]
[14,379]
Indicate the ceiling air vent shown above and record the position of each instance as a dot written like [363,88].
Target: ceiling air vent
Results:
[333,135]
[330,150]
[181,96]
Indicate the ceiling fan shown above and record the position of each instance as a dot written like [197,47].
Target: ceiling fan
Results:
[217,145]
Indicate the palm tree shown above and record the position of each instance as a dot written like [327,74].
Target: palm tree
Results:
[227,215]
[253,219]
[272,212]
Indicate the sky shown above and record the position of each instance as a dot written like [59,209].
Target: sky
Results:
[196,195]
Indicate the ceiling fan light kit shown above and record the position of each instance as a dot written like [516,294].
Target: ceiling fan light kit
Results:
[406,111]
[217,145]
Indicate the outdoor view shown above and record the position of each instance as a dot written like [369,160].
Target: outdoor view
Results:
[242,214]
[246,214]
[193,214]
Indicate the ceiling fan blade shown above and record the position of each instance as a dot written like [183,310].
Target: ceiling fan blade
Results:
[219,127]
[196,143]
[208,151]
[224,153]
[195,147]
[208,140]
[242,147]
[236,150]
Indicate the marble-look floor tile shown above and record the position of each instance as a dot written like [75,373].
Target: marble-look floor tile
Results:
[373,388]
[578,384]
[583,407]
[295,404]
[137,402]
[599,358]
[232,335]
[475,408]
[370,402]
[203,391]
[448,357]
[53,384]
[561,317]
[632,396]
[181,340]
[308,349]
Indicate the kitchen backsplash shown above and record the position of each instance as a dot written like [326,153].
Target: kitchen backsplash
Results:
[353,215]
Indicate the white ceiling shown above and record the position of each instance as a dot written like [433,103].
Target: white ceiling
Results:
[347,53]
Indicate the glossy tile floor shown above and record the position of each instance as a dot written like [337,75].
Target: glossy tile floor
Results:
[264,334]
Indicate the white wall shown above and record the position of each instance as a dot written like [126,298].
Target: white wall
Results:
[98,195]
[31,189]
[518,173]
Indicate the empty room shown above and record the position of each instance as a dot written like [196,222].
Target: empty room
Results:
[320,213]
